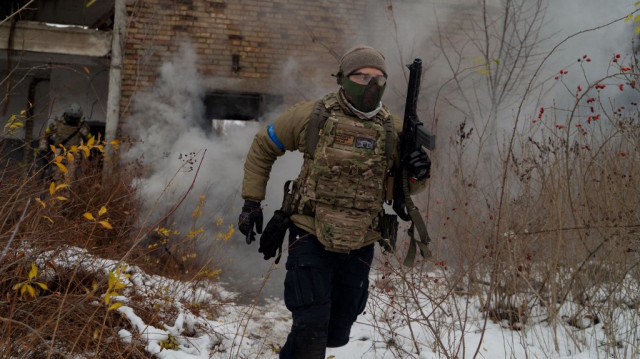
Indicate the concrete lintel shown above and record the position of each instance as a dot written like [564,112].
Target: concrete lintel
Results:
[49,38]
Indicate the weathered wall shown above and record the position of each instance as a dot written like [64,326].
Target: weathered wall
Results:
[281,45]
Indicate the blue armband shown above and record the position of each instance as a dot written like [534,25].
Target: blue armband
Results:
[274,138]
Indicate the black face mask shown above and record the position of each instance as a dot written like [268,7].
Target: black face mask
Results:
[365,98]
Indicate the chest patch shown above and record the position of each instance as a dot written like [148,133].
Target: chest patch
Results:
[345,139]
[367,143]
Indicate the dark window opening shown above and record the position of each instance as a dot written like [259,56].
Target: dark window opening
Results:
[230,106]
[68,12]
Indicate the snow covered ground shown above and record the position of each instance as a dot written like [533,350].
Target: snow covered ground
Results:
[441,324]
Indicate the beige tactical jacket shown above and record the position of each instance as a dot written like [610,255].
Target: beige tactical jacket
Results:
[291,129]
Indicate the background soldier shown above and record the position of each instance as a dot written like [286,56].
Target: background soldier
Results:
[350,144]
[67,130]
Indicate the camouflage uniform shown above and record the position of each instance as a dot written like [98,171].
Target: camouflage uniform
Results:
[326,285]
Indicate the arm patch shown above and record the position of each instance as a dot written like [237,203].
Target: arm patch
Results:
[274,138]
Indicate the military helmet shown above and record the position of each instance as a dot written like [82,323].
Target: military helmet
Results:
[73,113]
[359,57]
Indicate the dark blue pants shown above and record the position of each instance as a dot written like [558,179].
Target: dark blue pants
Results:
[325,292]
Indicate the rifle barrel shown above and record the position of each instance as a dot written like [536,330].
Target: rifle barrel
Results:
[413,89]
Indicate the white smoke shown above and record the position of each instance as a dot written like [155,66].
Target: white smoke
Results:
[167,120]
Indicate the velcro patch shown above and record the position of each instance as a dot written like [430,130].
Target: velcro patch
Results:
[344,139]
[363,142]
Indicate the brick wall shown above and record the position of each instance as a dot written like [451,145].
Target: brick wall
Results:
[264,34]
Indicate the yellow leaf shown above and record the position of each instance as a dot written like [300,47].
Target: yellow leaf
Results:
[89,4]
[115,306]
[52,188]
[86,69]
[94,286]
[58,159]
[46,217]
[41,203]
[61,186]
[88,216]
[53,149]
[74,149]
[91,141]
[102,211]
[17,286]
[31,290]
[112,279]
[62,168]
[478,59]
[636,3]
[33,272]
[95,333]
[115,142]
[637,30]
[119,286]
[61,198]
[70,157]
[23,289]
[107,298]
[42,285]
[85,151]
[106,224]
[626,19]
[636,18]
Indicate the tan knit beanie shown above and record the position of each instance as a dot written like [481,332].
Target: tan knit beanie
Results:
[362,56]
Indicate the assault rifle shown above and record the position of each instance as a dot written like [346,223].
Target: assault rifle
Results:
[413,137]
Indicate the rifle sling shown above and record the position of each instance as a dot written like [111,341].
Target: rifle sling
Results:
[416,220]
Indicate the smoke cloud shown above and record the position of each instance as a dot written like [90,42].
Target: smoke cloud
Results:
[176,153]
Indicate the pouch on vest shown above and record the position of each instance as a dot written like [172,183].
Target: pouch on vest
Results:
[341,229]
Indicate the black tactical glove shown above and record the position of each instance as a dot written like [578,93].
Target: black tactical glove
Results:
[251,215]
[419,165]
[273,236]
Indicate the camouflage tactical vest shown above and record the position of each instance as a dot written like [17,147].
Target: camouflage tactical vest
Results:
[70,135]
[341,182]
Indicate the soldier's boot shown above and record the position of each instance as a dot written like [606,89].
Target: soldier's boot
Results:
[306,341]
